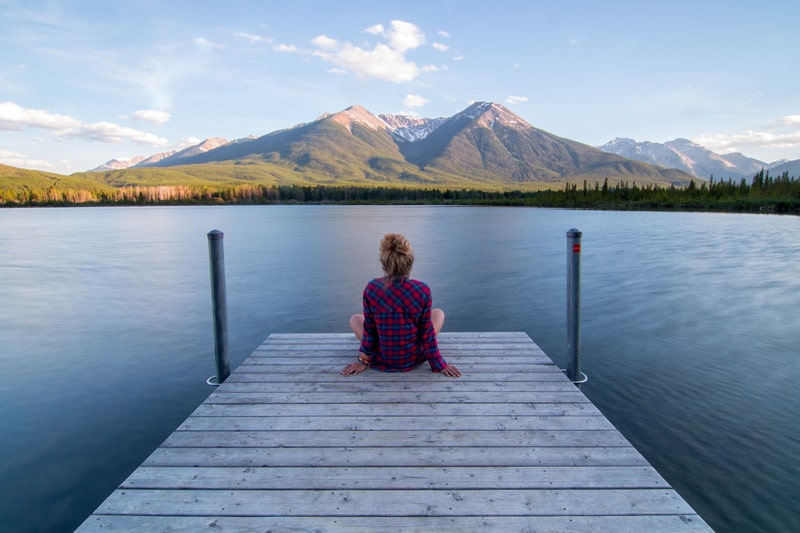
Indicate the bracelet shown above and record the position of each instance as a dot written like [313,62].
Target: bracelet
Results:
[364,362]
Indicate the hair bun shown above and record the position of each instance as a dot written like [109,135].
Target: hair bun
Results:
[396,243]
[396,255]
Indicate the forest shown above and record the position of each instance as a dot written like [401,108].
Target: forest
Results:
[763,193]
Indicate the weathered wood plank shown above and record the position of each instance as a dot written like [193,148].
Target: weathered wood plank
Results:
[396,423]
[418,409]
[335,368]
[375,397]
[394,477]
[410,524]
[444,337]
[234,387]
[353,345]
[367,437]
[398,456]
[337,357]
[266,371]
[419,502]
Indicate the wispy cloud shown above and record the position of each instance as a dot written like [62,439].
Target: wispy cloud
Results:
[441,47]
[15,159]
[252,38]
[789,120]
[414,100]
[108,132]
[151,115]
[783,132]
[16,118]
[385,61]
[202,42]
[750,139]
[511,100]
[263,39]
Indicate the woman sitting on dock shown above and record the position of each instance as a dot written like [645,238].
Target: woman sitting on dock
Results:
[398,328]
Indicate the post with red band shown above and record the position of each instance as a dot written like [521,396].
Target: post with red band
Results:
[574,306]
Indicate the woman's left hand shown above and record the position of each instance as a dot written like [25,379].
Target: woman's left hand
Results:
[354,368]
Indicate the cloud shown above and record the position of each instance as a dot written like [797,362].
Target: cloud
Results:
[189,141]
[441,47]
[415,100]
[15,118]
[783,132]
[150,115]
[253,39]
[750,139]
[511,100]
[285,48]
[108,132]
[202,42]
[376,29]
[789,120]
[443,33]
[386,61]
[14,159]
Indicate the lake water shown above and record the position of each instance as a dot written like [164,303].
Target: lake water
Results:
[690,331]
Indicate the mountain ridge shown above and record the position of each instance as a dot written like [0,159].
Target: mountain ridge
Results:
[484,145]
[688,156]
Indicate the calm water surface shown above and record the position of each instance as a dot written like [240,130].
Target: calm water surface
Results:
[690,331]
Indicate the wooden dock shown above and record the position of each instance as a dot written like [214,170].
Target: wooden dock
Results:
[287,443]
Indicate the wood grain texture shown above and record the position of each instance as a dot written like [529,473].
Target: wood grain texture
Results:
[288,443]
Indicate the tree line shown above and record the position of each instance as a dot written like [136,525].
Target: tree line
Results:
[762,193]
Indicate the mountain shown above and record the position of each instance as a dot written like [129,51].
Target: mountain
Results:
[117,164]
[792,167]
[486,140]
[687,156]
[484,145]
[173,155]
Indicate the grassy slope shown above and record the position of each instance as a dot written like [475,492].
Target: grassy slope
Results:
[18,179]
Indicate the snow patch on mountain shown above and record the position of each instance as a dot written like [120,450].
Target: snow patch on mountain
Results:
[119,164]
[476,110]
[411,129]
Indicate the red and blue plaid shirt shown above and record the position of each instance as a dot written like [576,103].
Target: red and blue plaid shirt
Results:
[398,332]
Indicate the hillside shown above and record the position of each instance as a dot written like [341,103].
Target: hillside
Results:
[18,183]
[792,167]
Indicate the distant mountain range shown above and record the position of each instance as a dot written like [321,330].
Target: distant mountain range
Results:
[485,145]
[692,158]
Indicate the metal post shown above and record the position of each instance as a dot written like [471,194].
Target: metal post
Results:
[216,257]
[574,306]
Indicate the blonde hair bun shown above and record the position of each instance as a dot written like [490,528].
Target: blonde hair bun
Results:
[396,256]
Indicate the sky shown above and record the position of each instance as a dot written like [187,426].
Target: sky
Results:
[83,81]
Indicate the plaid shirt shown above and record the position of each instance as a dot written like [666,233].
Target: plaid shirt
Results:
[398,332]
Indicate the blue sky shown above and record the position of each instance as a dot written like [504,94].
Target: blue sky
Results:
[83,81]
